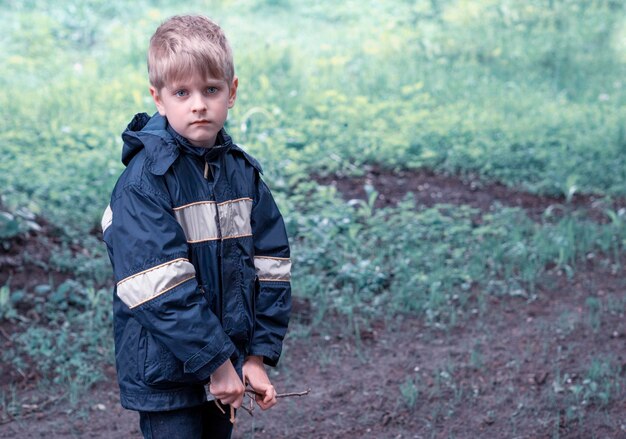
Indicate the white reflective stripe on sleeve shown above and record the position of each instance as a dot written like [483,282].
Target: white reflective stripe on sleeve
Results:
[273,269]
[107,219]
[142,287]
[235,218]
[198,220]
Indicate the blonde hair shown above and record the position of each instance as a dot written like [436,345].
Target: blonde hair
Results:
[185,45]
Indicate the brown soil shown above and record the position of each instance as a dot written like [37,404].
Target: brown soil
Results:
[510,369]
[428,189]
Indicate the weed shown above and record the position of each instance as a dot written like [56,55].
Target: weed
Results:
[575,395]
[66,352]
[6,305]
[594,307]
[616,305]
[602,382]
[410,391]
[476,356]
[428,261]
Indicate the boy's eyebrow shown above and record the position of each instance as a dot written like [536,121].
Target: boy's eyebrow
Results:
[174,86]
[177,84]
[214,81]
[184,84]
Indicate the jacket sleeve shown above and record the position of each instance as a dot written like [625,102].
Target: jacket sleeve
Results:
[273,269]
[157,282]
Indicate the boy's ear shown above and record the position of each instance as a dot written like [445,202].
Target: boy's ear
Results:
[232,94]
[157,100]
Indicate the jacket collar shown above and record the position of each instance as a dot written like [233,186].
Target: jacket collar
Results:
[162,144]
[222,144]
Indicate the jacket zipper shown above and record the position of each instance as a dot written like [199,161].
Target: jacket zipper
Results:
[210,176]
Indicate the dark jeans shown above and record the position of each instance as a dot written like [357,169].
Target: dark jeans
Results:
[202,422]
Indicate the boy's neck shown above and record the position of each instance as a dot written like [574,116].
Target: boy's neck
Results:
[218,140]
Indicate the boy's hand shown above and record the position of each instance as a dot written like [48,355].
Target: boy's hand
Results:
[226,386]
[254,374]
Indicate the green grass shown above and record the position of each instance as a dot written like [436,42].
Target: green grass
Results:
[514,91]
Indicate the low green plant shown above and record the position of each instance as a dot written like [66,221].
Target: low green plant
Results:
[578,395]
[10,405]
[433,262]
[476,356]
[594,308]
[8,301]
[70,346]
[410,391]
[15,223]
[6,306]
[601,383]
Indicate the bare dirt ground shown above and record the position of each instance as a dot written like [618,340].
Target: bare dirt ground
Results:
[517,368]
[429,189]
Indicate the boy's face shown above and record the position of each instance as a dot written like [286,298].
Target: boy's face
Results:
[196,107]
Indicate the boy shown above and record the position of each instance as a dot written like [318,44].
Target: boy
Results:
[198,247]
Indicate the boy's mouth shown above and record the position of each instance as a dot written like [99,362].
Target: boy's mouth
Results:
[200,122]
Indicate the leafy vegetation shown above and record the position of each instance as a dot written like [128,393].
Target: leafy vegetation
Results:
[432,261]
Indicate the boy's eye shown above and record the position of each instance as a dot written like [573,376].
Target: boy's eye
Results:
[211,90]
[180,93]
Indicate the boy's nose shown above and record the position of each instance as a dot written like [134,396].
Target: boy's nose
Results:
[198,105]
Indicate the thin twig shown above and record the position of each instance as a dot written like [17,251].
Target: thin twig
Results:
[34,412]
[250,392]
[5,335]
[219,406]
[248,410]
[232,410]
[232,414]
[287,395]
[280,395]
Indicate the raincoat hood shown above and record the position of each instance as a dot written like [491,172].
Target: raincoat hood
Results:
[162,144]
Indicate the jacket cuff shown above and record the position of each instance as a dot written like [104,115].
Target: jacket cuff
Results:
[270,356]
[208,359]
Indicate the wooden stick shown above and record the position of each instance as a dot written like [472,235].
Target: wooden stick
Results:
[33,412]
[232,410]
[219,406]
[232,414]
[280,395]
[287,395]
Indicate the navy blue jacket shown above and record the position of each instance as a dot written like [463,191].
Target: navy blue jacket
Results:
[201,264]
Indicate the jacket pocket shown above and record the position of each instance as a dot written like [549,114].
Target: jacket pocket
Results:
[161,368]
[212,299]
[130,353]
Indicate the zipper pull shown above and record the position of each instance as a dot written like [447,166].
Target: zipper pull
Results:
[207,171]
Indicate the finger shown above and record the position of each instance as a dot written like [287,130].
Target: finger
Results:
[219,396]
[270,394]
[237,402]
[265,406]
[268,399]
[218,393]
